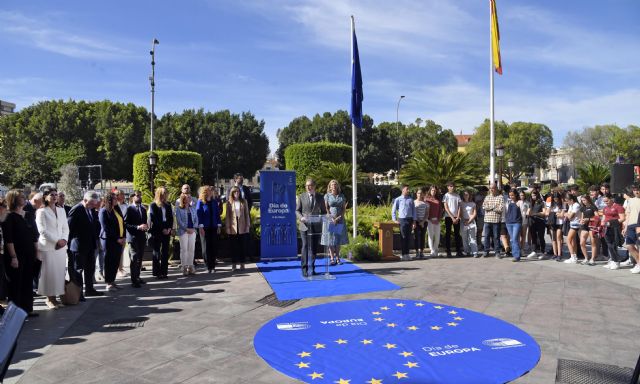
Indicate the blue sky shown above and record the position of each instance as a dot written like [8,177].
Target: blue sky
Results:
[567,64]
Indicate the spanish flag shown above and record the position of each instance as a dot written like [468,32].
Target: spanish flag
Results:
[495,38]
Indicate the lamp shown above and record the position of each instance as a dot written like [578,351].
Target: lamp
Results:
[500,154]
[153,162]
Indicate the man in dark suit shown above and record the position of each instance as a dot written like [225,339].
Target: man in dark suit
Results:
[135,218]
[308,205]
[61,202]
[83,236]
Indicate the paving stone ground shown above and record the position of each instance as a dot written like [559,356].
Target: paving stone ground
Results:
[200,329]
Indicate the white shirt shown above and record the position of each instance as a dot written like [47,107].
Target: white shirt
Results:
[575,209]
[452,200]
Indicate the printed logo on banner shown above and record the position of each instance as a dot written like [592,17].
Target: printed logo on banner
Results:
[344,322]
[502,343]
[293,326]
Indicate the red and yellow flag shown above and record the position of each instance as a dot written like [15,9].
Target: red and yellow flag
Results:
[495,38]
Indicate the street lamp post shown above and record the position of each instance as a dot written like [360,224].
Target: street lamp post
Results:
[510,165]
[398,130]
[153,162]
[500,154]
[152,79]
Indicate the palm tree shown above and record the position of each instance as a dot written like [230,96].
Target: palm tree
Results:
[335,171]
[437,167]
[592,173]
[175,178]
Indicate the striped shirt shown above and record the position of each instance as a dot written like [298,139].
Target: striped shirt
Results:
[421,210]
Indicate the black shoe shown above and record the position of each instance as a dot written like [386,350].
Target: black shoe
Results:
[140,281]
[486,254]
[143,268]
[33,314]
[305,273]
[459,254]
[136,285]
[448,254]
[82,298]
[313,272]
[93,293]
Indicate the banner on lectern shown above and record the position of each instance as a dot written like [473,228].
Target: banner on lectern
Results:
[278,236]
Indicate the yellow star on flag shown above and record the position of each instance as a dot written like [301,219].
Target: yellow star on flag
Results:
[365,341]
[453,312]
[452,324]
[376,313]
[374,381]
[400,375]
[436,328]
[438,307]
[341,341]
[316,375]
[412,365]
[400,305]
[384,308]
[304,354]
[419,304]
[302,364]
[392,325]
[342,381]
[457,318]
[319,346]
[413,328]
[406,354]
[378,319]
[389,346]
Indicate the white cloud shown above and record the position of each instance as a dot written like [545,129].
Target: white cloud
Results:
[37,33]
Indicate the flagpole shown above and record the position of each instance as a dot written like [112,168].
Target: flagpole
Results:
[354,183]
[492,139]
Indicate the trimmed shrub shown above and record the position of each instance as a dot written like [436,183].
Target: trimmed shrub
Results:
[167,162]
[362,249]
[304,158]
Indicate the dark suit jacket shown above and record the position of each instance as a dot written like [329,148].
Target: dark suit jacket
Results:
[109,226]
[132,220]
[155,217]
[83,233]
[304,207]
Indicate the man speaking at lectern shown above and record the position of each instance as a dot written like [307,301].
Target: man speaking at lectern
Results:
[309,208]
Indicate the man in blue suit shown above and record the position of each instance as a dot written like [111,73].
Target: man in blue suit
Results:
[83,239]
[135,219]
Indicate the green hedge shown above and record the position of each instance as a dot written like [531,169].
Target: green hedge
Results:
[304,158]
[167,162]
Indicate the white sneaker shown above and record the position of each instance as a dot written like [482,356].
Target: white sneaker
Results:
[636,269]
[613,266]
[608,265]
[543,257]
[626,263]
[532,255]
[571,260]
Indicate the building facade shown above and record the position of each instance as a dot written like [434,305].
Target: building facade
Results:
[6,108]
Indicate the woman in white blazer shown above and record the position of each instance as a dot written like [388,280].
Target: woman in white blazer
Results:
[52,247]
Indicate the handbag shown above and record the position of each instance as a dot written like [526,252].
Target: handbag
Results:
[566,226]
[336,229]
[71,293]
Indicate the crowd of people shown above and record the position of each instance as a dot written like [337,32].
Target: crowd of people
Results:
[47,246]
[515,223]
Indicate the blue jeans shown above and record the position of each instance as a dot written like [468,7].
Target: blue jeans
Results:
[514,234]
[491,230]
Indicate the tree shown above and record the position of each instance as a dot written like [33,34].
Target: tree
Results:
[174,179]
[437,166]
[527,144]
[595,144]
[592,173]
[341,172]
[69,183]
[229,143]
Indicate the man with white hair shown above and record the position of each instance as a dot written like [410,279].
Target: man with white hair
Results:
[83,234]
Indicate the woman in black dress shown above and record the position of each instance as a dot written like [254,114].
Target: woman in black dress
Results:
[112,238]
[20,253]
[161,219]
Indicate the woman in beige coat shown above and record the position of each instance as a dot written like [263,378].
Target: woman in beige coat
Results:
[237,222]
[52,247]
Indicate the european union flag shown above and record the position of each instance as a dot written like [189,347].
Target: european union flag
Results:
[356,80]
[382,341]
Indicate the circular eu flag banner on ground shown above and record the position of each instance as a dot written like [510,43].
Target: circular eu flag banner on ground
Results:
[395,341]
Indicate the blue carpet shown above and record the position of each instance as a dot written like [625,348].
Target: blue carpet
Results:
[285,278]
[395,341]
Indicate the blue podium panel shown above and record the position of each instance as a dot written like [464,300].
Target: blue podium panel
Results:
[278,237]
[393,340]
